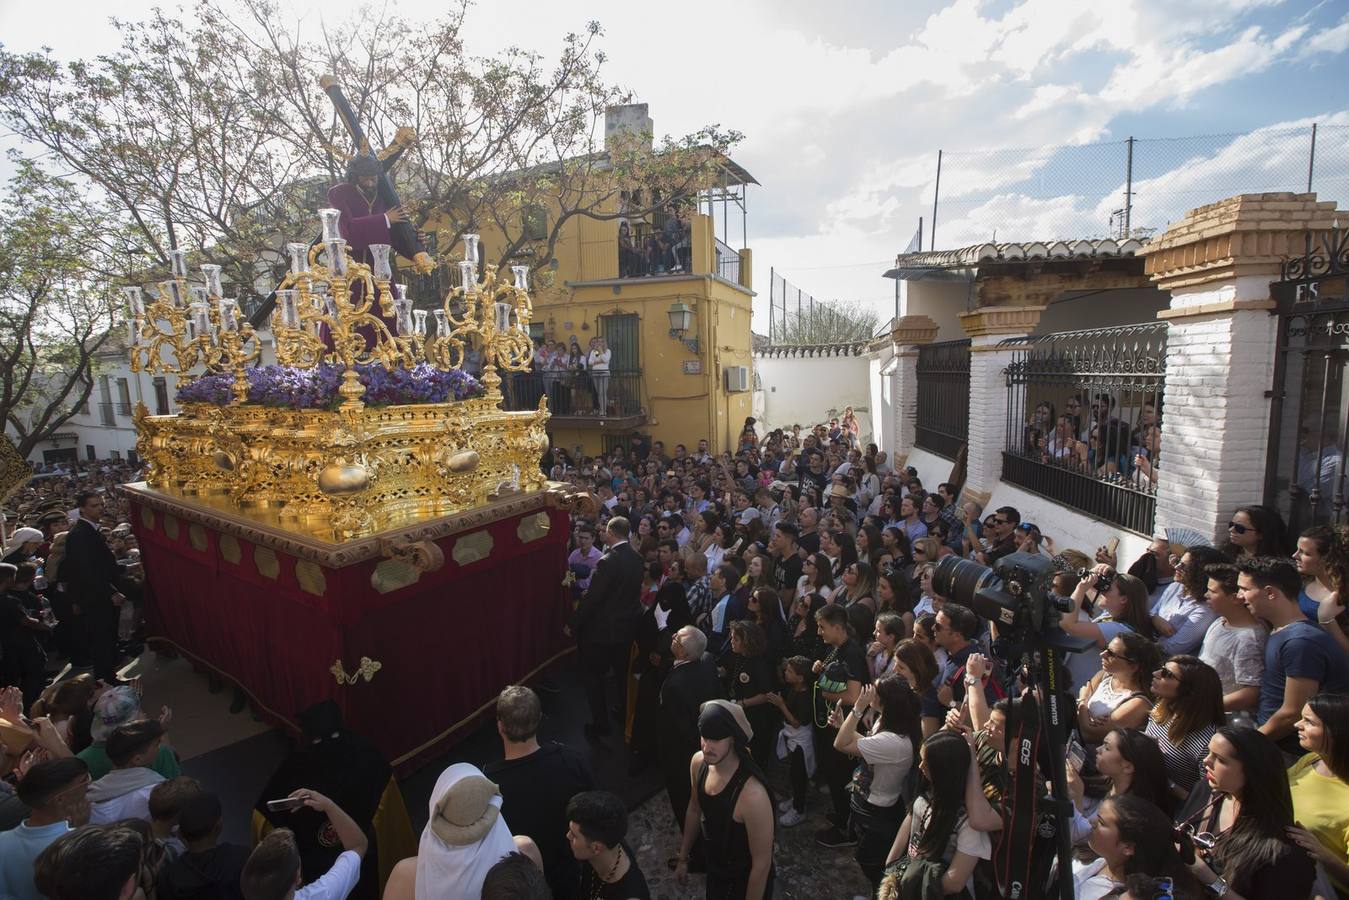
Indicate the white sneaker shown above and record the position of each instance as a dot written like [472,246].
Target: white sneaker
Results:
[784,805]
[791,817]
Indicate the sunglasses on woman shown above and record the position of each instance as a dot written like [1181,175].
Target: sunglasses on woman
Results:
[1166,674]
[1111,654]
[1239,529]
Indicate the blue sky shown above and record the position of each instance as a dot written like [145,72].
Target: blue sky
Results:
[845,105]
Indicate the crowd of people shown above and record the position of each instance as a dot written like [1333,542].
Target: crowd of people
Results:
[794,578]
[767,628]
[1090,435]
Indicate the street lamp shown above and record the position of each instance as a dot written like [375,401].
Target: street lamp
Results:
[681,323]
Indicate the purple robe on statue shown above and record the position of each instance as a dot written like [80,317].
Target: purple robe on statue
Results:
[363,223]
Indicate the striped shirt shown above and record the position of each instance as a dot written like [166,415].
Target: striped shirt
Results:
[1184,762]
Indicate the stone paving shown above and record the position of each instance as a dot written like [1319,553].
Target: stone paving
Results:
[804,870]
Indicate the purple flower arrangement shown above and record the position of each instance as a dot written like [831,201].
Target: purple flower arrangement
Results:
[290,387]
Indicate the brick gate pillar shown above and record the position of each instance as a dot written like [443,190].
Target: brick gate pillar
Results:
[1218,263]
[909,333]
[990,329]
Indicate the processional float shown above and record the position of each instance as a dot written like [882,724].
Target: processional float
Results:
[322,528]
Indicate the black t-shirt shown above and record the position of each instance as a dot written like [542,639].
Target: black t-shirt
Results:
[534,795]
[750,676]
[632,886]
[787,572]
[810,543]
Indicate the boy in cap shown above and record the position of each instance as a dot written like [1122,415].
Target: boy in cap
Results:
[117,707]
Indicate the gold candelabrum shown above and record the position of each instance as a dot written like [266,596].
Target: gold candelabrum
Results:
[355,470]
[185,326]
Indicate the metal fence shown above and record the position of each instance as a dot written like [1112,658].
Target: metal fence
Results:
[576,395]
[943,420]
[795,318]
[1133,187]
[1083,420]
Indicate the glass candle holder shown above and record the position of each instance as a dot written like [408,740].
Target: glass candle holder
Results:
[214,286]
[442,324]
[135,301]
[521,274]
[402,313]
[468,276]
[471,242]
[502,311]
[328,219]
[178,263]
[288,308]
[336,252]
[379,266]
[419,321]
[299,257]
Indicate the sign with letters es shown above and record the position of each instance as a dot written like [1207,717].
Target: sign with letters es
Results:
[693,367]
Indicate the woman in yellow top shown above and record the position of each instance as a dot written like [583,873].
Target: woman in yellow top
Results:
[1319,783]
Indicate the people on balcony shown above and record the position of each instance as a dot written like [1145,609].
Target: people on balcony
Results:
[598,365]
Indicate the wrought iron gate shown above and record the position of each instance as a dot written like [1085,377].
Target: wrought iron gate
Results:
[1305,477]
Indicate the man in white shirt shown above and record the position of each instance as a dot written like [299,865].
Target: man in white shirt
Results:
[273,870]
[1235,643]
[124,793]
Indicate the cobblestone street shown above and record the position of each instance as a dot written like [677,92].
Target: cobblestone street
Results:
[804,870]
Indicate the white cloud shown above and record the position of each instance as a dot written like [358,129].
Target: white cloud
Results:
[843,131]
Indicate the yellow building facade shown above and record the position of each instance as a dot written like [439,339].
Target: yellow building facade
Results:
[675,387]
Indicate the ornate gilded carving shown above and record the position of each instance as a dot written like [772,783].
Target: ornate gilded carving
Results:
[311,578]
[366,670]
[229,548]
[196,535]
[472,548]
[267,563]
[261,526]
[531,528]
[394,574]
[355,471]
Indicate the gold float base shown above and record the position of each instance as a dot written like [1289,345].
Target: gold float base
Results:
[335,475]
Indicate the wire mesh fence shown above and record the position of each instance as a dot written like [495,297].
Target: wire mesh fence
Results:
[795,318]
[1128,188]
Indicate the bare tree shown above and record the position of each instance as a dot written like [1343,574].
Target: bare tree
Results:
[836,322]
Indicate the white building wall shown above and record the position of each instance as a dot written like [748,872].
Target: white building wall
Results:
[120,436]
[941,301]
[808,390]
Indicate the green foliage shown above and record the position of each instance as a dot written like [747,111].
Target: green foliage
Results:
[55,306]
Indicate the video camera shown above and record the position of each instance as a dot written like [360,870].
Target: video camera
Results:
[1017,594]
[1034,856]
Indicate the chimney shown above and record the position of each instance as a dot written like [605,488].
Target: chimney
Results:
[630,119]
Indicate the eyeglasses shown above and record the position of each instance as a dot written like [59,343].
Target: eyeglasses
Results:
[1111,654]
[1166,674]
[1239,529]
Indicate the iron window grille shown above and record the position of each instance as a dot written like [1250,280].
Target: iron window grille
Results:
[1084,410]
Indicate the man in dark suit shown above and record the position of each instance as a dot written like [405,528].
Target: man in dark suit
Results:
[691,683]
[92,579]
[605,621]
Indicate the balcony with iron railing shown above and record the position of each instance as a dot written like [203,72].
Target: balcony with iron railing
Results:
[580,399]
